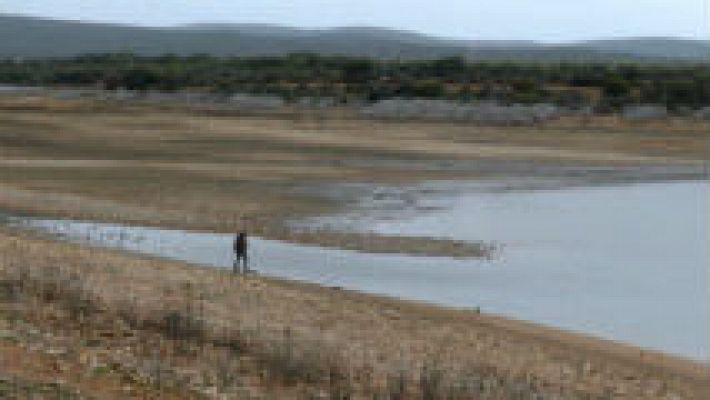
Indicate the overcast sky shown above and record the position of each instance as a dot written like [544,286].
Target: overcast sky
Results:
[542,20]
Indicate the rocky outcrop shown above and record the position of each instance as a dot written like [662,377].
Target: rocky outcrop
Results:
[444,110]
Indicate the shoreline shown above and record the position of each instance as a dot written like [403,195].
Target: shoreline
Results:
[332,199]
[146,252]
[145,166]
[549,343]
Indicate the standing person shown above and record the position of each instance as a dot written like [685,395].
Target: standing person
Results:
[240,251]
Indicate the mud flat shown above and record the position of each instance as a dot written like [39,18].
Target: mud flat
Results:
[187,169]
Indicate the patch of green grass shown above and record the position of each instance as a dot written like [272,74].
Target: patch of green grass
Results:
[101,370]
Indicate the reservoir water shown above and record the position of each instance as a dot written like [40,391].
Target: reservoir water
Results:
[623,262]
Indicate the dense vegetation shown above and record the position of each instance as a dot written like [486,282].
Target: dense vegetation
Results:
[606,86]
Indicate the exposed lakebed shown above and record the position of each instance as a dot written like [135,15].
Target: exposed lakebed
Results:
[625,262]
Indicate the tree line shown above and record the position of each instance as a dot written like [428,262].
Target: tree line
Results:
[604,86]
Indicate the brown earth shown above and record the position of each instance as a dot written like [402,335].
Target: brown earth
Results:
[197,169]
[193,169]
[106,323]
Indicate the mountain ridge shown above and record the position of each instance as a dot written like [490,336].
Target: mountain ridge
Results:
[33,37]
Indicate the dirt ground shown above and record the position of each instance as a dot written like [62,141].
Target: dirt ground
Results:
[195,169]
[116,326]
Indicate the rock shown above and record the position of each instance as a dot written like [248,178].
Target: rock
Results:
[644,112]
[703,114]
[56,351]
[443,110]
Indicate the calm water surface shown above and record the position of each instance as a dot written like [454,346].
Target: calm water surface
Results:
[625,262]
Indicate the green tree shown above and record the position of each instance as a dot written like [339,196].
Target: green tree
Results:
[140,78]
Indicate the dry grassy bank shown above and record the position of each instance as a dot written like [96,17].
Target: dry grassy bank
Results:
[114,326]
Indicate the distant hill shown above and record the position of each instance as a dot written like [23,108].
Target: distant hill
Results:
[40,38]
[656,47]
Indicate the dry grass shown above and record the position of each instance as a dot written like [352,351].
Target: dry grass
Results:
[112,326]
[169,327]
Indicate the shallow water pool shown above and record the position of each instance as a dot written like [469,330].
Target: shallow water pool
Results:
[625,262]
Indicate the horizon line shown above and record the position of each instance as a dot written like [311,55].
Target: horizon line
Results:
[336,27]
